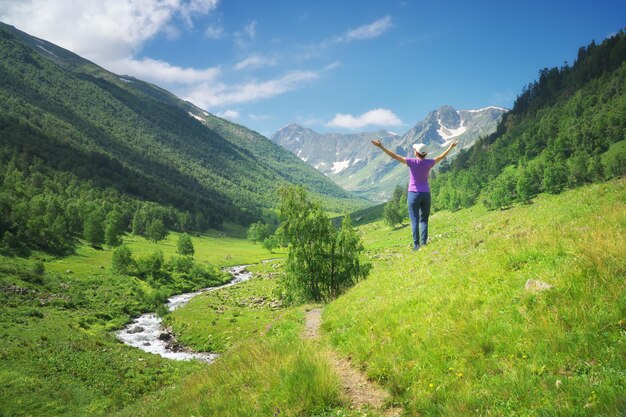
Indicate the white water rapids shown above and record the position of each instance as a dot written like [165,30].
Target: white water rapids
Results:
[147,333]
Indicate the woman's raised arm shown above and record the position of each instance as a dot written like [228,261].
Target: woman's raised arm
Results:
[388,152]
[443,155]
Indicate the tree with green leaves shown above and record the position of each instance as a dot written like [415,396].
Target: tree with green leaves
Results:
[321,262]
[184,246]
[122,260]
[346,265]
[395,210]
[113,228]
[93,231]
[502,190]
[151,266]
[391,214]
[270,243]
[156,230]
[258,232]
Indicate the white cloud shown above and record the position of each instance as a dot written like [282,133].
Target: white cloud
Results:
[244,37]
[219,94]
[171,32]
[228,114]
[260,117]
[161,72]
[250,29]
[255,61]
[315,50]
[332,66]
[102,31]
[376,117]
[112,33]
[214,32]
[191,7]
[373,30]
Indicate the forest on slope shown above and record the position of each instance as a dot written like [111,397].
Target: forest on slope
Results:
[566,129]
[77,141]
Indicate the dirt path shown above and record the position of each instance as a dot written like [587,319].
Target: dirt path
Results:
[360,392]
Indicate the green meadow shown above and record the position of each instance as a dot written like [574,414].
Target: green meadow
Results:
[450,330]
[58,355]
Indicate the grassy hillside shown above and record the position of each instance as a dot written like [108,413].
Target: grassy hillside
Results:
[65,113]
[448,331]
[451,330]
[58,356]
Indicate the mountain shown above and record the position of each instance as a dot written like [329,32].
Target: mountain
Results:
[65,114]
[352,162]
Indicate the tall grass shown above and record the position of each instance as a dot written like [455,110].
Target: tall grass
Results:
[275,375]
[451,330]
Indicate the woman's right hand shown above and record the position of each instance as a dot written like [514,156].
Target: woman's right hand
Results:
[377,143]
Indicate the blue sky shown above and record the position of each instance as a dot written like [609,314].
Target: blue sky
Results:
[340,66]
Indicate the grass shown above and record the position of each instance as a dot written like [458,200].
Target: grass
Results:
[218,320]
[278,374]
[220,248]
[450,330]
[266,368]
[57,354]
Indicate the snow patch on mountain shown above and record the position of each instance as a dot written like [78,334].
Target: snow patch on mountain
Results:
[340,166]
[447,133]
[299,155]
[51,53]
[487,108]
[196,117]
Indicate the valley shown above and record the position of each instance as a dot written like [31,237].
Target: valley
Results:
[351,161]
[125,212]
[57,332]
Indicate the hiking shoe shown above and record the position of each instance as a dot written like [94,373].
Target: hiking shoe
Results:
[416,248]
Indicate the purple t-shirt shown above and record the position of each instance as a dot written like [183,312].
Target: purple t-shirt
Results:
[419,169]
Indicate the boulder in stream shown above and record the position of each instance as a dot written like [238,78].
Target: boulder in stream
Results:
[136,329]
[165,336]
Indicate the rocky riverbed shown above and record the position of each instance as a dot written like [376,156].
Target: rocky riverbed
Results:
[147,332]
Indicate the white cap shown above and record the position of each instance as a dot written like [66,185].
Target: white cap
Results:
[420,148]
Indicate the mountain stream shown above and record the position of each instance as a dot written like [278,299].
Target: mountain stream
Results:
[147,332]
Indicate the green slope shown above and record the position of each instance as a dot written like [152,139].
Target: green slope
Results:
[451,330]
[138,138]
[448,331]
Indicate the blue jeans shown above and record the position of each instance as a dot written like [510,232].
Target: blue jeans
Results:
[419,210]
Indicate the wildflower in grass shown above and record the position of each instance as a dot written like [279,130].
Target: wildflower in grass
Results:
[431,385]
[460,374]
